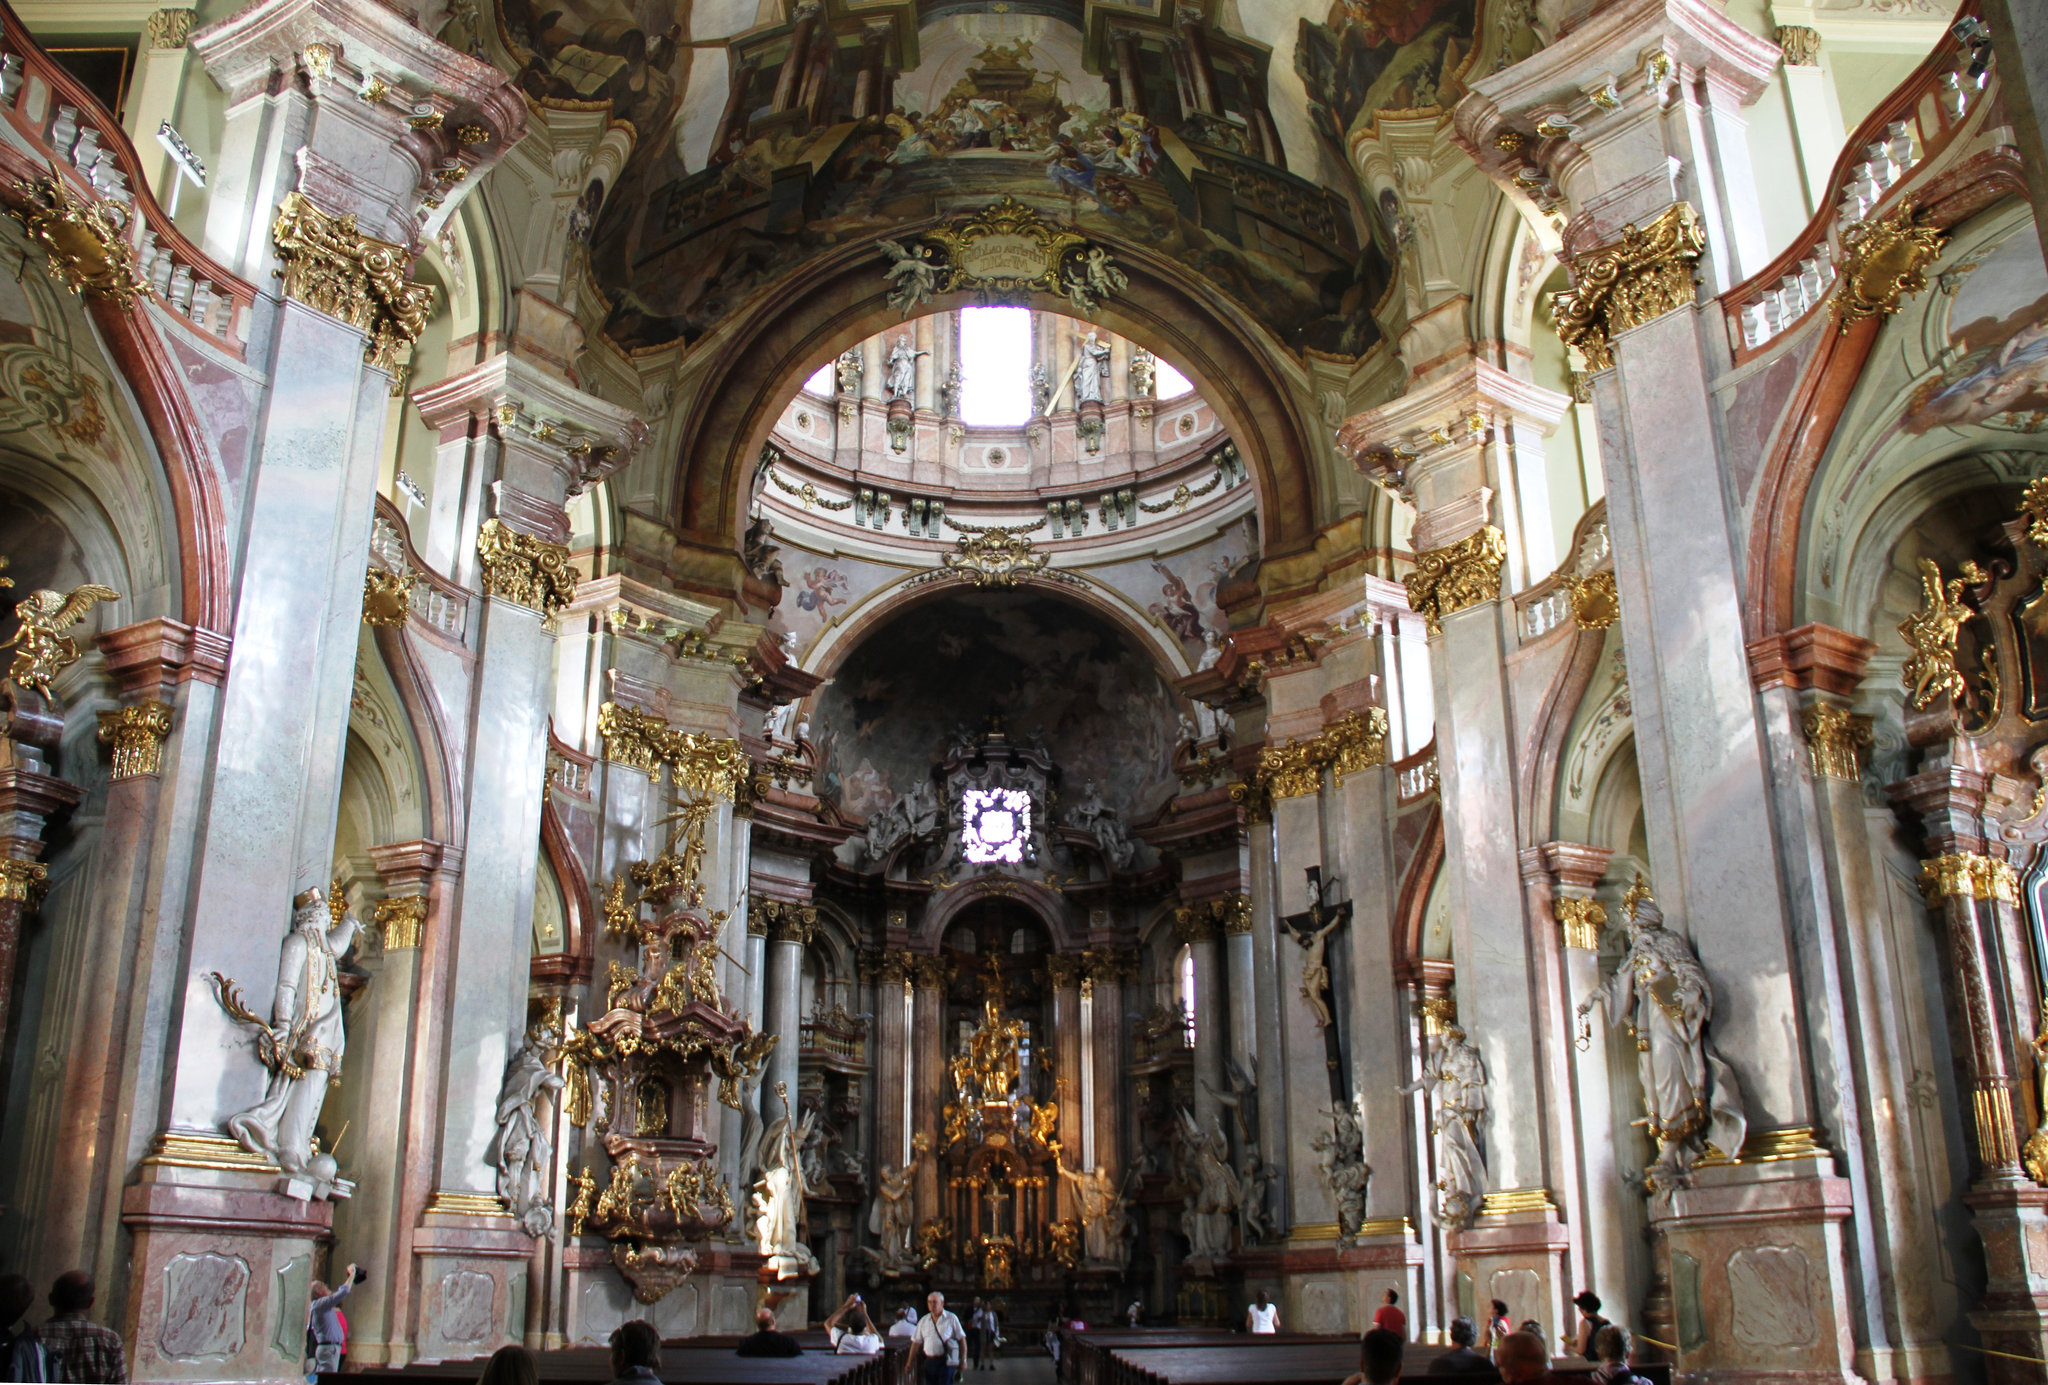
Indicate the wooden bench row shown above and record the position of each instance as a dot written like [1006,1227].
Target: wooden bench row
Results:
[1227,1358]
[699,1363]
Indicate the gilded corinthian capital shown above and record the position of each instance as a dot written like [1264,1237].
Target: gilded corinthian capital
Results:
[137,735]
[1647,273]
[523,569]
[333,268]
[1457,575]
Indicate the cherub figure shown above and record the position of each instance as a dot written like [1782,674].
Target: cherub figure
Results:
[41,648]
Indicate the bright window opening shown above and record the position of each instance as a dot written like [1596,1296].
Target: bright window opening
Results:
[1184,983]
[823,382]
[995,366]
[1169,383]
[994,825]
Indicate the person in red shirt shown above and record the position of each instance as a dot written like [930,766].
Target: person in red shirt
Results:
[1391,1319]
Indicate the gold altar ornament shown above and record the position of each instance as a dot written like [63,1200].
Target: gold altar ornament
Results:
[2034,509]
[41,648]
[1650,271]
[331,267]
[1966,875]
[528,571]
[19,879]
[1595,602]
[995,558]
[1582,919]
[1931,632]
[387,597]
[400,922]
[85,242]
[1882,262]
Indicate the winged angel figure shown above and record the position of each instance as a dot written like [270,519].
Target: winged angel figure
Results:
[914,273]
[1931,672]
[41,649]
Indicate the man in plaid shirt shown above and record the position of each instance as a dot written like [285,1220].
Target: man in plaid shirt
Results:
[80,1350]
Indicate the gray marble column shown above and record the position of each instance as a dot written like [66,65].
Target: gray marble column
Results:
[1274,1105]
[1197,931]
[782,999]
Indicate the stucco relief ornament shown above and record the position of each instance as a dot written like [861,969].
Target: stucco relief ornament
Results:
[1001,253]
[1882,262]
[302,1044]
[997,558]
[521,1151]
[1661,995]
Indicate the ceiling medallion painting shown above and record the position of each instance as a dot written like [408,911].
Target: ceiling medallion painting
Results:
[1000,254]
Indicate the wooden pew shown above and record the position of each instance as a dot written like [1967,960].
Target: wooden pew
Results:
[1209,1357]
[695,1363]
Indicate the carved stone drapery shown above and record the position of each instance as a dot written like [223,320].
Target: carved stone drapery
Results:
[1801,44]
[333,268]
[1456,576]
[1648,272]
[137,735]
[523,569]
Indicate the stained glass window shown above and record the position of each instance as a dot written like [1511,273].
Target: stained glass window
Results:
[994,825]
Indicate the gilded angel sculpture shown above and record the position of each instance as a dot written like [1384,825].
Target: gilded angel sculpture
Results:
[41,649]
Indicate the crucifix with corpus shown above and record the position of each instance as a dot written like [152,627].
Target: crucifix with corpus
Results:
[1311,928]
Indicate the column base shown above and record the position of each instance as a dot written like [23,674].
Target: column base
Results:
[2012,1221]
[220,1268]
[1517,1257]
[1758,1287]
[472,1260]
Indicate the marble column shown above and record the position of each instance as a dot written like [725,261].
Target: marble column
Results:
[1197,932]
[1240,989]
[160,672]
[1265,975]
[1451,472]
[927,972]
[1069,1055]
[789,932]
[1305,1066]
[1103,986]
[1602,1236]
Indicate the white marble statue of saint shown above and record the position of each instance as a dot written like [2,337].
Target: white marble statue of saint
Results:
[775,721]
[902,380]
[521,1151]
[1091,370]
[1455,1077]
[778,1203]
[889,1218]
[1100,1207]
[306,1036]
[1210,1208]
[1100,821]
[1689,1093]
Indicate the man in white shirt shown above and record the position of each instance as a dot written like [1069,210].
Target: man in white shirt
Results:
[858,1337]
[906,1322]
[938,1339]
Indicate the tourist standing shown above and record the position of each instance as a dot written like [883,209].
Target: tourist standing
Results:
[1498,1327]
[325,1330]
[975,1314]
[21,1354]
[1390,1318]
[938,1342]
[989,1330]
[1262,1317]
[1590,1322]
[79,1350]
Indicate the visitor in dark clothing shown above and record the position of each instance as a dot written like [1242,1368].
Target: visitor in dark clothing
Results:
[1461,1359]
[766,1341]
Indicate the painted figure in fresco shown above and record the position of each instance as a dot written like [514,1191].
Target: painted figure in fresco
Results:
[306,1035]
[1660,991]
[821,588]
